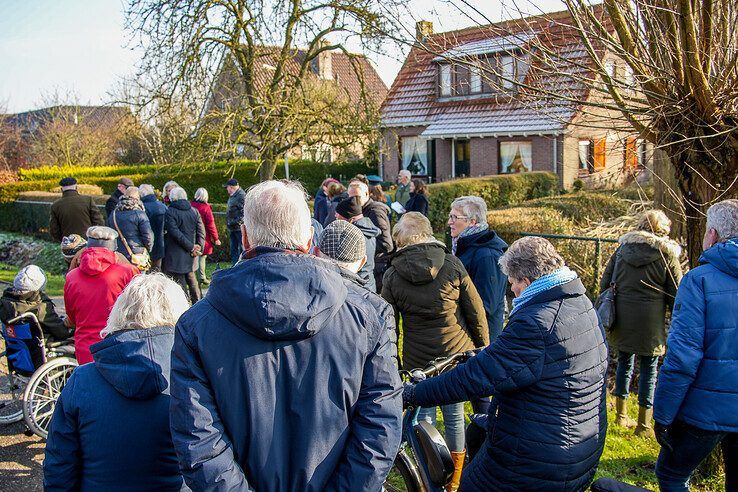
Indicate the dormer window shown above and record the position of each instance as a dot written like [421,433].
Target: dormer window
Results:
[445,79]
[485,74]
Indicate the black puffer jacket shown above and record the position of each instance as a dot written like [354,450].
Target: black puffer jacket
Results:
[441,310]
[547,372]
[183,229]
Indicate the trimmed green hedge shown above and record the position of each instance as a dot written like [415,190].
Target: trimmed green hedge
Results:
[208,175]
[497,191]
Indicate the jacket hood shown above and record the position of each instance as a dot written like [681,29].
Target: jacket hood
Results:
[367,228]
[420,263]
[15,296]
[484,239]
[181,204]
[645,247]
[723,256]
[136,362]
[277,295]
[148,198]
[95,261]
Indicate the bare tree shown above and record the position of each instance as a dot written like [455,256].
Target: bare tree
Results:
[11,144]
[260,56]
[667,69]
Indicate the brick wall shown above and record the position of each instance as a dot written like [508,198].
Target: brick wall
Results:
[390,149]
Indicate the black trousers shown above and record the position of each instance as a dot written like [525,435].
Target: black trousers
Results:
[189,284]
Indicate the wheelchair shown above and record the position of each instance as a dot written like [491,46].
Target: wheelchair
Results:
[32,373]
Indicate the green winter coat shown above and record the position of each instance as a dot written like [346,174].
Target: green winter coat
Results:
[648,275]
[402,195]
[13,304]
[73,214]
[442,313]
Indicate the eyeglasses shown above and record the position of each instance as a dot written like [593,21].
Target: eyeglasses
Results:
[454,218]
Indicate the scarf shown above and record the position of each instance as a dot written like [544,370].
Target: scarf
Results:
[542,284]
[129,203]
[469,231]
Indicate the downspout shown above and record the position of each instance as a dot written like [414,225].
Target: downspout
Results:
[453,157]
[556,155]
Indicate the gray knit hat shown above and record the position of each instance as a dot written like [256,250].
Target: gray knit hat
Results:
[102,237]
[343,241]
[29,279]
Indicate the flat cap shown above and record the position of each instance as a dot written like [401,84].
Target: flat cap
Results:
[343,241]
[68,181]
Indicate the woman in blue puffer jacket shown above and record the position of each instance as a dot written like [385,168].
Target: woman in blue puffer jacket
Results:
[110,429]
[130,220]
[547,371]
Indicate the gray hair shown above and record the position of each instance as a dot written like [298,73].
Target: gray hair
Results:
[275,214]
[472,207]
[530,257]
[413,228]
[656,222]
[148,301]
[177,194]
[201,195]
[168,186]
[145,190]
[405,172]
[723,217]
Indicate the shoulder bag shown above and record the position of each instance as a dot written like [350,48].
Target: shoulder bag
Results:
[605,304]
[142,261]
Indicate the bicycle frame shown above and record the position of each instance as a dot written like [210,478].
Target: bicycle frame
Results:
[409,420]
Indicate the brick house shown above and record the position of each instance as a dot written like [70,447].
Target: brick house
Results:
[474,102]
[330,67]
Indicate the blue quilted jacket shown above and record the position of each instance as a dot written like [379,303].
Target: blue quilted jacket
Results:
[698,382]
[547,372]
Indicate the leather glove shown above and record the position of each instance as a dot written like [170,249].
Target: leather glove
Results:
[663,435]
[408,395]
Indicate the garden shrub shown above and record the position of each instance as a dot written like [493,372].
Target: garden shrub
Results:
[497,191]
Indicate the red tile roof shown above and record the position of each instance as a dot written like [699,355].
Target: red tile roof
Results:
[413,100]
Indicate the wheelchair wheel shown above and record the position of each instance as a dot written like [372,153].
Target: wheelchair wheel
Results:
[11,393]
[43,390]
[404,476]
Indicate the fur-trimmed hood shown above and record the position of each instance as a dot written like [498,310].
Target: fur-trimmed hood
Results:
[641,247]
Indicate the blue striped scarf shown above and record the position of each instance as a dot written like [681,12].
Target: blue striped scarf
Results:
[541,284]
[469,231]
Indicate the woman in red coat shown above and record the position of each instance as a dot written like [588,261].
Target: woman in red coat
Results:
[200,203]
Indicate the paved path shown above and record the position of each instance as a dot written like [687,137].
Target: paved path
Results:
[20,460]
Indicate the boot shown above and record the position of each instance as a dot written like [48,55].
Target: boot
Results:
[644,428]
[621,413]
[458,457]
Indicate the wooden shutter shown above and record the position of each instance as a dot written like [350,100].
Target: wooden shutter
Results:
[631,153]
[600,154]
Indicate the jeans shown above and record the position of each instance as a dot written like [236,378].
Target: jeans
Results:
[453,418]
[691,446]
[236,245]
[647,378]
[201,272]
[189,284]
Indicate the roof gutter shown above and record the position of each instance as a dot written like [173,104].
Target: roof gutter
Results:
[529,133]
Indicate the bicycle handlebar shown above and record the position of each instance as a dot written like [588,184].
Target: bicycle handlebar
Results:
[437,366]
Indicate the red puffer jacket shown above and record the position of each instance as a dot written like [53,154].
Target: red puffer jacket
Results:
[89,294]
[208,220]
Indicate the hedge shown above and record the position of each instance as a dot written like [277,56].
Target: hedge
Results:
[210,176]
[497,191]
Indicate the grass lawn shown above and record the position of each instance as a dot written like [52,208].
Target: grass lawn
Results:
[54,283]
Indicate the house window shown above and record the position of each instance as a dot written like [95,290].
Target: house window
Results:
[516,157]
[599,160]
[445,80]
[642,153]
[610,68]
[489,74]
[629,78]
[320,152]
[631,153]
[507,71]
[414,155]
[462,82]
[585,155]
[476,79]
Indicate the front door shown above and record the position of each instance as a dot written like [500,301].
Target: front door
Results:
[461,158]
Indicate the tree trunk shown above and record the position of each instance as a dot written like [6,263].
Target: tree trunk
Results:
[268,165]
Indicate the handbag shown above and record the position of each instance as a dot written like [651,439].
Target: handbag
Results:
[142,261]
[605,304]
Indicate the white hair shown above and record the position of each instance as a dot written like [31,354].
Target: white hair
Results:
[530,257]
[177,194]
[168,186]
[360,189]
[201,195]
[406,173]
[473,207]
[148,301]
[723,217]
[145,190]
[275,214]
[413,228]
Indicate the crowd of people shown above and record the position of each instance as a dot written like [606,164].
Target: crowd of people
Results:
[285,376]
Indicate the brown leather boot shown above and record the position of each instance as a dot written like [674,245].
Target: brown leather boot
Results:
[644,428]
[621,413]
[458,457]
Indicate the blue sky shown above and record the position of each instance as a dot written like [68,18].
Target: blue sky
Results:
[80,47]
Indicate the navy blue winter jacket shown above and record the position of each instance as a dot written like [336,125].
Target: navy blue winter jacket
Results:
[110,429]
[320,206]
[698,382]
[156,210]
[134,225]
[547,372]
[283,379]
[370,232]
[480,254]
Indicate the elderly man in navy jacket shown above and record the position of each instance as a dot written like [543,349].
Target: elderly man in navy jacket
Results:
[696,401]
[283,375]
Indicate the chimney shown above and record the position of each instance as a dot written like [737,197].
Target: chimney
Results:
[325,62]
[423,29]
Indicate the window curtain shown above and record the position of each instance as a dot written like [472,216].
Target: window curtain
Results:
[516,157]
[507,154]
[526,155]
[584,154]
[415,155]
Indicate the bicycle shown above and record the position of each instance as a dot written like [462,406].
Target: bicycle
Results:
[424,461]
[33,374]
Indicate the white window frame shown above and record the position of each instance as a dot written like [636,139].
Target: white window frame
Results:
[475,79]
[507,70]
